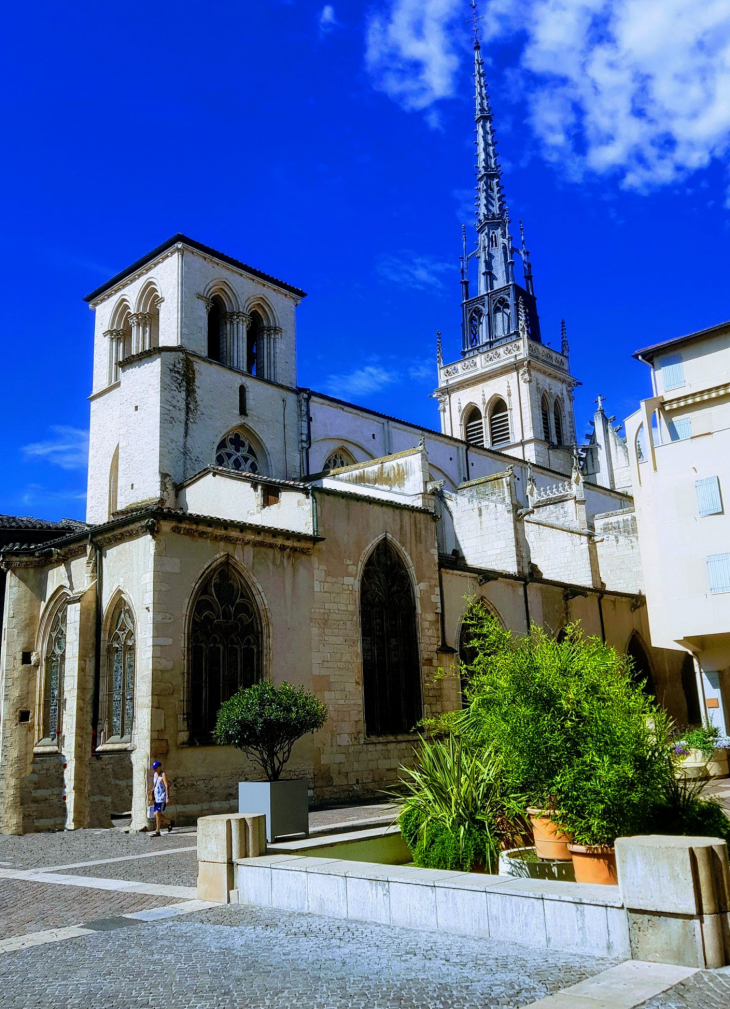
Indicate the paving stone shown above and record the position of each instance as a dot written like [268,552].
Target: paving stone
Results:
[707,989]
[31,851]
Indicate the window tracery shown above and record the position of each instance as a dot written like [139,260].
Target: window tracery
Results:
[236,452]
[338,460]
[117,694]
[54,674]
[225,646]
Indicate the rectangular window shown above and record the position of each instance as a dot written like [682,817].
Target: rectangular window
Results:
[718,568]
[271,496]
[680,429]
[672,372]
[709,501]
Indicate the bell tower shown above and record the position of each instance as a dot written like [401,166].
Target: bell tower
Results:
[508,391]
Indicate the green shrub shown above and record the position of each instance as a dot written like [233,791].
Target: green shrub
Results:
[573,730]
[682,810]
[455,811]
[266,720]
[704,738]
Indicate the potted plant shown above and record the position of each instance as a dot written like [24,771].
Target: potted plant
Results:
[265,721]
[455,813]
[702,752]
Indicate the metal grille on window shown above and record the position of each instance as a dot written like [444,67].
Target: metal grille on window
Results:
[718,569]
[236,452]
[117,700]
[709,501]
[499,424]
[474,428]
[55,667]
[391,674]
[672,372]
[225,647]
[545,419]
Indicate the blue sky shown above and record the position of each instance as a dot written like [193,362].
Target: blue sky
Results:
[331,145]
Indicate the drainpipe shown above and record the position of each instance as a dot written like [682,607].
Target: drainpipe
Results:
[527,604]
[600,614]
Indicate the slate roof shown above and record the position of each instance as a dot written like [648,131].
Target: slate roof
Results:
[201,248]
[27,522]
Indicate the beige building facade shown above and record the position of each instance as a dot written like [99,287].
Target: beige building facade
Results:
[678,443]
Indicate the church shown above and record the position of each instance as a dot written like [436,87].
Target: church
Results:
[240,527]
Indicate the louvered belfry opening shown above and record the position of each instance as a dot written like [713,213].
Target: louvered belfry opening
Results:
[225,646]
[391,673]
[558,419]
[499,424]
[545,410]
[474,427]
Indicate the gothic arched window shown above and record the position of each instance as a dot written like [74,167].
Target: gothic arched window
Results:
[468,651]
[474,427]
[558,422]
[502,320]
[499,424]
[54,668]
[475,325]
[545,412]
[640,667]
[254,337]
[216,313]
[225,646]
[338,459]
[236,452]
[391,674]
[116,703]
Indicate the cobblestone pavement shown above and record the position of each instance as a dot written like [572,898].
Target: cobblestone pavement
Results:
[31,851]
[252,957]
[707,989]
[31,907]
[180,869]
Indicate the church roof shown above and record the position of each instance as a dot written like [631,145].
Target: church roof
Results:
[649,353]
[27,522]
[200,248]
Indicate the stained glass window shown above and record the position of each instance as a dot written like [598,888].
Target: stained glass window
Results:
[225,647]
[391,674]
[55,667]
[236,452]
[117,700]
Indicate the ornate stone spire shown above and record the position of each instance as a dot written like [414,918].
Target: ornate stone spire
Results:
[490,197]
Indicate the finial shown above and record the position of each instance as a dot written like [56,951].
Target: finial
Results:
[474,23]
[439,354]
[600,399]
[564,345]
[522,317]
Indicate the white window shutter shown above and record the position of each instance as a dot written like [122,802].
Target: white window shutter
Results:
[680,429]
[718,568]
[672,372]
[709,501]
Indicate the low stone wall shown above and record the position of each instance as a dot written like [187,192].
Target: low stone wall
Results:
[566,916]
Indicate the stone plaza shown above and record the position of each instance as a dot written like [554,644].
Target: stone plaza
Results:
[110,919]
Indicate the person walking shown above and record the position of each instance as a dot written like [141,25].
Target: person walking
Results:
[159,798]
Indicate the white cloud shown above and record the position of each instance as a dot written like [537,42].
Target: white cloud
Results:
[415,271]
[327,19]
[638,88]
[411,50]
[68,447]
[361,382]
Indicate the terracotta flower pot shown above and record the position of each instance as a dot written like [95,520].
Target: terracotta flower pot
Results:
[550,841]
[594,863]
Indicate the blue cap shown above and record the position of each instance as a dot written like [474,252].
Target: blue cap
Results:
[156,765]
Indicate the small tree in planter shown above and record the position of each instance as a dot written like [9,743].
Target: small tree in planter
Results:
[265,721]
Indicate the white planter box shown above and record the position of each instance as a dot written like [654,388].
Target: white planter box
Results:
[285,804]
[696,765]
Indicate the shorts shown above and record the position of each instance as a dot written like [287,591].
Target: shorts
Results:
[159,807]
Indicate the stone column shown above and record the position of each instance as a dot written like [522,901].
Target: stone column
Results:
[238,329]
[271,335]
[18,693]
[78,699]
[115,337]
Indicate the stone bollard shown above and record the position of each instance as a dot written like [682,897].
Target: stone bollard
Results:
[222,840]
[676,891]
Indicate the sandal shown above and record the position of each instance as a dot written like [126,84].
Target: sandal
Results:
[170,825]
[155,833]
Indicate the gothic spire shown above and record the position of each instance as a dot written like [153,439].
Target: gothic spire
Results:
[490,198]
